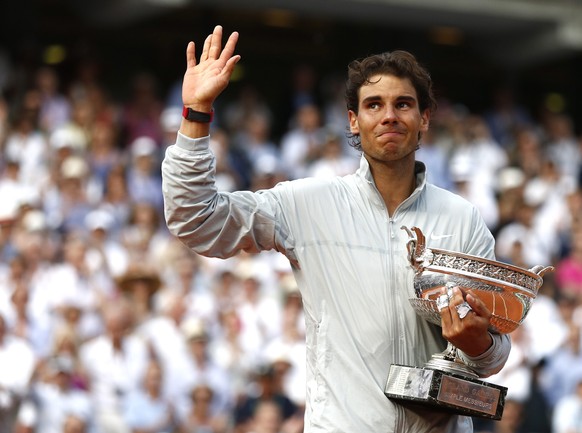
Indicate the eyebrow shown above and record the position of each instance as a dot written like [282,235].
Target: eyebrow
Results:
[372,98]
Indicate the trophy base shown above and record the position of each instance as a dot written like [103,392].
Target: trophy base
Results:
[445,391]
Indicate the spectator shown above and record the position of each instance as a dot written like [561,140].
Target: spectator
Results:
[55,108]
[139,284]
[268,389]
[201,417]
[268,418]
[563,368]
[70,199]
[105,253]
[569,269]
[140,115]
[202,368]
[166,341]
[144,183]
[232,350]
[72,283]
[146,409]
[28,146]
[115,362]
[103,153]
[17,362]
[143,236]
[302,143]
[332,161]
[55,397]
[568,412]
[562,145]
[116,200]
[254,141]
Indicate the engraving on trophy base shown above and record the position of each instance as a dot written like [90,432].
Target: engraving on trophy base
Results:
[446,391]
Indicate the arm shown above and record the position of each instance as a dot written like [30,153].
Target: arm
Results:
[209,222]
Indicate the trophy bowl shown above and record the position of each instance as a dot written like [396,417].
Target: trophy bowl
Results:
[446,382]
[507,290]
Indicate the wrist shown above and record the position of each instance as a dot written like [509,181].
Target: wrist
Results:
[196,115]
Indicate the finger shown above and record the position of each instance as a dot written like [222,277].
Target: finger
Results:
[206,48]
[457,299]
[444,308]
[229,67]
[228,50]
[191,55]
[215,43]
[477,305]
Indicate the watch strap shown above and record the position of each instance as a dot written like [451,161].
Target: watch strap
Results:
[197,116]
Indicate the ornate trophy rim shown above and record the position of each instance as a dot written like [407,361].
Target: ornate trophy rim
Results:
[497,273]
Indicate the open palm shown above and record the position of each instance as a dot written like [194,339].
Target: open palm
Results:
[206,79]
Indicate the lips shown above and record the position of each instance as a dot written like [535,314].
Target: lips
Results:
[390,132]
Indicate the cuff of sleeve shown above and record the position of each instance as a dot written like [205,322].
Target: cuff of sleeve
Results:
[192,144]
[492,360]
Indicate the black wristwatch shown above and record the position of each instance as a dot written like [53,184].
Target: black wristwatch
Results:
[197,116]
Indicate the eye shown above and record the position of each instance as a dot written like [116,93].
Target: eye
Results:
[403,104]
[374,105]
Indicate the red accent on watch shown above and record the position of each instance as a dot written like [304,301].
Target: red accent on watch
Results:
[197,116]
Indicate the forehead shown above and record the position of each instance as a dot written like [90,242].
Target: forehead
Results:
[383,86]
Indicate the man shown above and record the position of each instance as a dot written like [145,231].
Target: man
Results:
[343,239]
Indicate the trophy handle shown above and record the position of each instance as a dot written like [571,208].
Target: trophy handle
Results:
[541,270]
[416,247]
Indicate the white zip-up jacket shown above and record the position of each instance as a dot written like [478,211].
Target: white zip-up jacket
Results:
[350,262]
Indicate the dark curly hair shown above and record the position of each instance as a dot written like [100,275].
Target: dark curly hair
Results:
[401,64]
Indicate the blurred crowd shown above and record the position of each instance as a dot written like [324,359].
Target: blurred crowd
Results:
[109,325]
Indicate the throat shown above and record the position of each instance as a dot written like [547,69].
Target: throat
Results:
[395,191]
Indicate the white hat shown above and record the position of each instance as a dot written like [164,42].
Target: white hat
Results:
[67,137]
[74,167]
[510,178]
[143,146]
[194,329]
[98,219]
[34,220]
[171,119]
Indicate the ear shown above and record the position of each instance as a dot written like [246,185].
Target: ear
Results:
[425,121]
[353,118]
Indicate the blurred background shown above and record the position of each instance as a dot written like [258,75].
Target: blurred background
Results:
[472,48]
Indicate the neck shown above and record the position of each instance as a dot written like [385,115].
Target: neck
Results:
[394,181]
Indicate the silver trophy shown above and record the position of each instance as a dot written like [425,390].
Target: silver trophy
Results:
[446,382]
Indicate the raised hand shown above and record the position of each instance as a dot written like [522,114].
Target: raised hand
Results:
[206,79]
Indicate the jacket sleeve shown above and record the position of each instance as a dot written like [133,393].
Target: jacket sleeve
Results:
[493,360]
[213,223]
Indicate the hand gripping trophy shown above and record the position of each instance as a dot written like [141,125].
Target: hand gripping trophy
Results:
[508,291]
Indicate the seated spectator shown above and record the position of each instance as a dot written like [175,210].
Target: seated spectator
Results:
[16,367]
[568,412]
[267,418]
[115,363]
[201,417]
[55,397]
[569,269]
[268,389]
[145,408]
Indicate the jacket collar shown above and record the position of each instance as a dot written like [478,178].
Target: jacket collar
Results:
[364,174]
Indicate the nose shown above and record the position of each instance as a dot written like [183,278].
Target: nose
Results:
[390,114]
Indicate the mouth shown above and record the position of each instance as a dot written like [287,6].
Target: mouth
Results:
[390,133]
